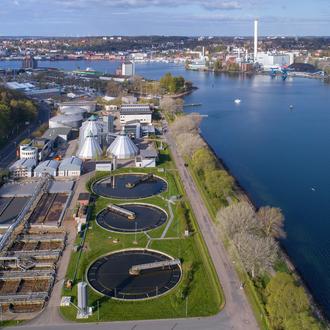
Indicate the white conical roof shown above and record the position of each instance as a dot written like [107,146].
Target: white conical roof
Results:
[91,126]
[90,148]
[123,147]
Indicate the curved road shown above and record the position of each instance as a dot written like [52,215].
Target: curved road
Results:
[237,313]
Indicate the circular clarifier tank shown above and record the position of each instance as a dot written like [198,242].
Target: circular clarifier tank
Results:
[140,217]
[130,186]
[134,274]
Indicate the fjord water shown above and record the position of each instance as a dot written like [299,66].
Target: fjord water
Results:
[280,156]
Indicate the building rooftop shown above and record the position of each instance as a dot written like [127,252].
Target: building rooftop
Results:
[48,164]
[70,163]
[84,196]
[28,163]
[59,187]
[53,133]
[149,153]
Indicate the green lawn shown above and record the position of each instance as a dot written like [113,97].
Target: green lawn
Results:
[204,297]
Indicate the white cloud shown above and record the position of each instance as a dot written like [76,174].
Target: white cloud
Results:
[208,4]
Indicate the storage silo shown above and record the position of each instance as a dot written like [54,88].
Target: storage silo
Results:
[82,298]
[123,147]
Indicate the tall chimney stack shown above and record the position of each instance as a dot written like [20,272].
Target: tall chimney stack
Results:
[255,53]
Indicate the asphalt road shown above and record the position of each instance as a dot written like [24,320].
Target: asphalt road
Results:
[236,315]
[8,153]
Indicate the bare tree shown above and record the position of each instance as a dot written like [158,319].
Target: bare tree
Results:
[185,124]
[188,143]
[170,105]
[272,221]
[238,218]
[258,254]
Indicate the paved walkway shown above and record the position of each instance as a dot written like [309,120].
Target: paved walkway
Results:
[237,308]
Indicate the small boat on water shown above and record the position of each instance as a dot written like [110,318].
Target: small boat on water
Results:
[291,106]
[238,101]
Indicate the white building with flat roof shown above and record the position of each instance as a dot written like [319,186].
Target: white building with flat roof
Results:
[135,112]
[272,60]
[128,69]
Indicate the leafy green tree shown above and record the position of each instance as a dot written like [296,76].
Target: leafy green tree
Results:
[285,300]
[203,161]
[172,84]
[217,65]
[302,321]
[219,183]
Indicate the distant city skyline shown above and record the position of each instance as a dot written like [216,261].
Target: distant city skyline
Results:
[164,17]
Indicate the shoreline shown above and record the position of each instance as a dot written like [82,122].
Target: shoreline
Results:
[243,195]
[263,73]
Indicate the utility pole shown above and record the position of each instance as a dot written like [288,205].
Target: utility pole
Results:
[187,306]
[98,310]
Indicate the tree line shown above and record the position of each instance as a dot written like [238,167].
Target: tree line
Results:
[15,111]
[252,235]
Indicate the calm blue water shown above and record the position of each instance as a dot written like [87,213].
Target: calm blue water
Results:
[277,154]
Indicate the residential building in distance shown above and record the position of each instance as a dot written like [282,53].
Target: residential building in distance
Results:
[128,69]
[29,62]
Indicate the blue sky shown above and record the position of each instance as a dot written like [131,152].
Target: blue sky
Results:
[163,17]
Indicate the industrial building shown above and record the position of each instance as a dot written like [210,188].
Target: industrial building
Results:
[128,69]
[58,135]
[122,147]
[26,151]
[93,126]
[274,60]
[71,167]
[88,106]
[37,149]
[90,148]
[136,112]
[147,158]
[23,168]
[71,121]
[47,167]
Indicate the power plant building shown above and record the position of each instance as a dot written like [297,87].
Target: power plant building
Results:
[274,60]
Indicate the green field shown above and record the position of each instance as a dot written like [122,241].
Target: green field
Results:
[202,298]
